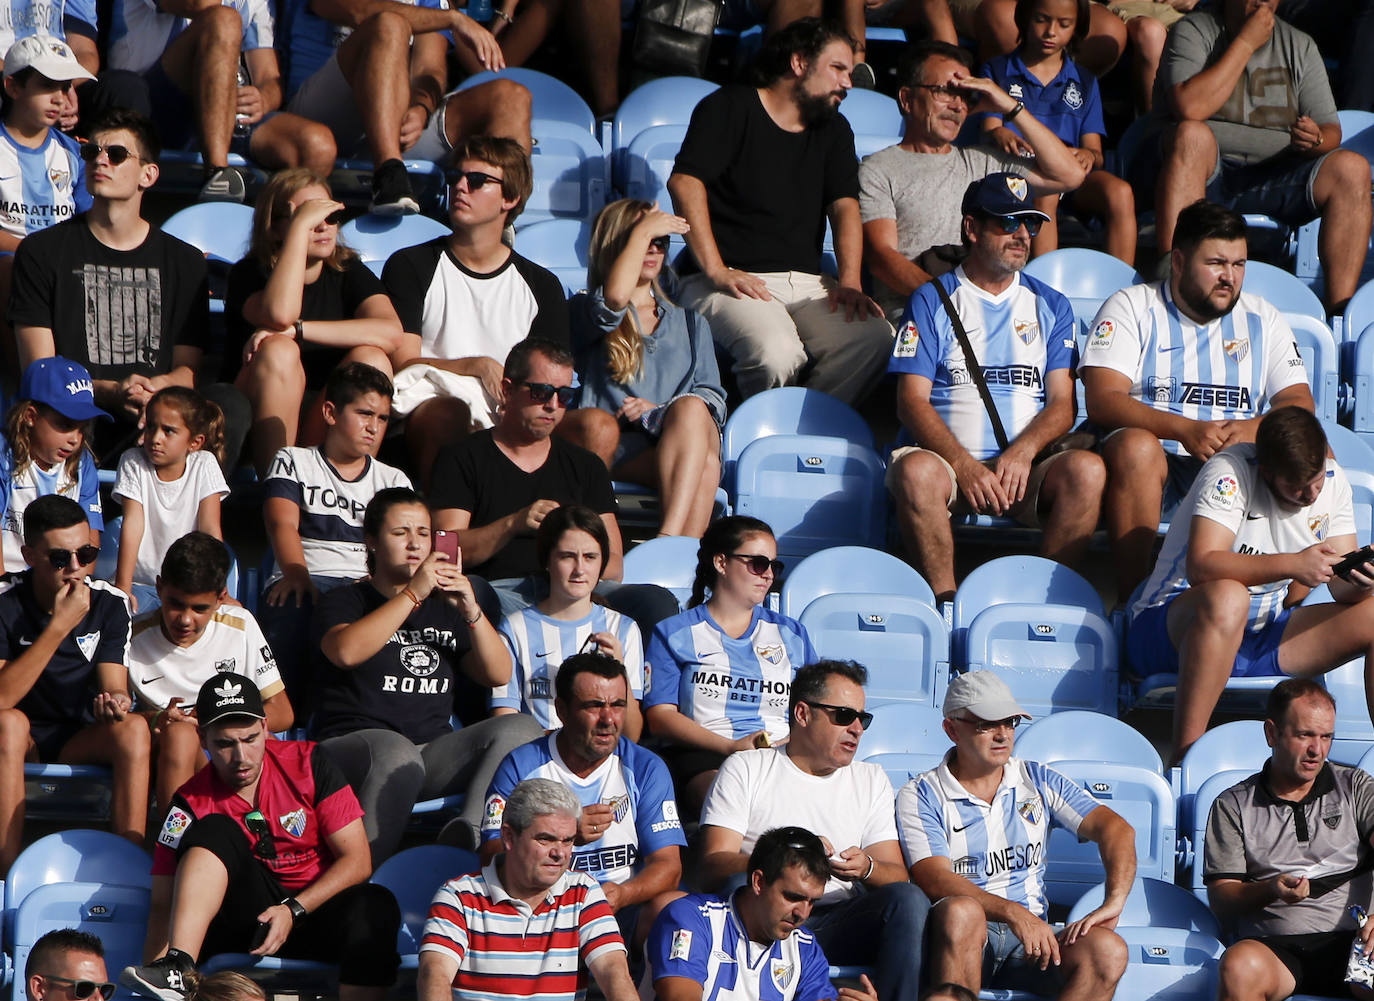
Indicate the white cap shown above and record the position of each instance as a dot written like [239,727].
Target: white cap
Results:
[984,694]
[50,56]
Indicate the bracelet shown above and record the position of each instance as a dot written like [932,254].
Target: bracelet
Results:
[1020,107]
[504,16]
[411,595]
[472,622]
[294,906]
[870,868]
[300,331]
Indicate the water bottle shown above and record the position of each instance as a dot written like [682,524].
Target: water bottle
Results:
[241,125]
[479,10]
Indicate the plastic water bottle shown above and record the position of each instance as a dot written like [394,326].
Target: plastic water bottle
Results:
[479,10]
[241,126]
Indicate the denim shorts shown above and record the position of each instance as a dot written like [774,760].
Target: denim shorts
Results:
[1007,966]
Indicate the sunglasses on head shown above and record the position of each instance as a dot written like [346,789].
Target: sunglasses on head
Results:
[90,152]
[477,179]
[256,823]
[1011,223]
[84,988]
[843,715]
[62,558]
[757,564]
[540,392]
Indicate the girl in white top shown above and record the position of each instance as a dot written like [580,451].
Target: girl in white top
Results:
[170,485]
[572,546]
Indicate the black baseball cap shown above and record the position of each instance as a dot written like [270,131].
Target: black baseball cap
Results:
[227,695]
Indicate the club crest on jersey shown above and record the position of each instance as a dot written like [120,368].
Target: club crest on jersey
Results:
[419,660]
[959,377]
[1015,91]
[226,666]
[1333,821]
[907,338]
[782,972]
[1017,186]
[1073,95]
[1319,526]
[682,945]
[1102,334]
[771,653]
[293,823]
[1161,390]
[1030,810]
[87,644]
[1236,348]
[1027,330]
[621,805]
[59,177]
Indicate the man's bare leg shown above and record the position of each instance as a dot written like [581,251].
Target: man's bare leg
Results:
[204,62]
[1190,156]
[920,487]
[1206,625]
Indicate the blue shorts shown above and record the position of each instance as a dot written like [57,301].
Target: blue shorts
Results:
[1151,651]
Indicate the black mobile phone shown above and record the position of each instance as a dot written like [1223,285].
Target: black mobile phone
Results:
[260,935]
[1357,560]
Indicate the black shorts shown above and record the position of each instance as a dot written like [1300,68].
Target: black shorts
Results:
[1317,960]
[686,763]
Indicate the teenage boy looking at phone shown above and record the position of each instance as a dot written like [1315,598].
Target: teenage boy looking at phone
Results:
[1262,525]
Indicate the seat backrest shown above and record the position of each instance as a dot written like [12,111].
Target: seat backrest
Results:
[669,100]
[556,243]
[1317,345]
[669,561]
[1284,291]
[219,230]
[78,855]
[550,97]
[901,640]
[647,164]
[1032,579]
[1200,808]
[1078,734]
[1367,761]
[851,570]
[1357,132]
[1357,459]
[413,876]
[1236,745]
[1359,311]
[1083,273]
[788,410]
[873,114]
[569,169]
[377,237]
[904,738]
[1153,903]
[114,913]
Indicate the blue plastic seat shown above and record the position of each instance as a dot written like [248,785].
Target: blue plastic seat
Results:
[1076,735]
[1284,291]
[1200,808]
[669,561]
[787,410]
[559,245]
[219,230]
[813,491]
[1367,761]
[377,237]
[1317,345]
[116,914]
[648,163]
[1231,746]
[551,98]
[901,640]
[1356,457]
[850,570]
[413,876]
[569,173]
[1085,277]
[74,856]
[904,739]
[874,115]
[668,100]
[72,794]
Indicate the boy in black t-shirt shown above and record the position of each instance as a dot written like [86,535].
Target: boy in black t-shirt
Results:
[64,642]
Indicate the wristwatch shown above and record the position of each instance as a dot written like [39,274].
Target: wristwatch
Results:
[300,331]
[1020,107]
[294,906]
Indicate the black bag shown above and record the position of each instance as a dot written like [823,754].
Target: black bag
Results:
[674,36]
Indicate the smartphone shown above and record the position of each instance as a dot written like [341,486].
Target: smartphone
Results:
[447,543]
[260,935]
[1357,560]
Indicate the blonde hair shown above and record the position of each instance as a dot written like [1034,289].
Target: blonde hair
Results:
[224,986]
[20,434]
[624,344]
[201,416]
[273,205]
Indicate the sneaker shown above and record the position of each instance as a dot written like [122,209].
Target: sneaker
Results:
[226,184]
[391,194]
[164,978]
[863,77]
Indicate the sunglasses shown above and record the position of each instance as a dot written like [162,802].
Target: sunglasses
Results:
[987,726]
[62,558]
[1011,223]
[256,823]
[758,565]
[949,92]
[477,179]
[540,392]
[90,152]
[843,715]
[84,988]
[659,243]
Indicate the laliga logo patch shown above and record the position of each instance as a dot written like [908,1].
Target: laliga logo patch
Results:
[1073,95]
[907,339]
[1017,186]
[1102,334]
[495,810]
[1237,348]
[293,823]
[1319,525]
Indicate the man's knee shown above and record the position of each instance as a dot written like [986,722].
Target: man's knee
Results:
[220,25]
[1221,604]
[1105,954]
[1146,34]
[920,481]
[14,733]
[1344,173]
[372,356]
[385,28]
[1245,966]
[1137,456]
[958,921]
[130,739]
[1191,142]
[1079,475]
[178,746]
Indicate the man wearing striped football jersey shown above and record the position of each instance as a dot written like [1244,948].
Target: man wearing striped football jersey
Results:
[974,833]
[1177,370]
[953,456]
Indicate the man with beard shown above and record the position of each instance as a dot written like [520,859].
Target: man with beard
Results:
[985,449]
[1264,523]
[1177,370]
[758,173]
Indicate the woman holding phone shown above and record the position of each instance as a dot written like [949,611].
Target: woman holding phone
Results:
[571,545]
[391,649]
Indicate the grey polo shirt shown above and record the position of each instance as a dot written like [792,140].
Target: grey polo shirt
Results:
[1253,835]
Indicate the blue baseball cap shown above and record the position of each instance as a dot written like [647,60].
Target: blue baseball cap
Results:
[63,385]
[1000,194]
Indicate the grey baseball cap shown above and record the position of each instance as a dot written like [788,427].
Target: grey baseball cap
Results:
[983,694]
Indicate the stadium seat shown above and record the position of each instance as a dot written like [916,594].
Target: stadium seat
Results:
[1193,844]
[1354,735]
[668,561]
[551,98]
[569,174]
[1283,291]
[904,739]
[413,876]
[787,410]
[1153,903]
[1317,345]
[1356,457]
[377,237]
[850,570]
[875,118]
[1236,745]
[1367,761]
[1357,133]
[559,245]
[1076,735]
[1086,278]
[667,100]
[116,914]
[648,163]
[219,230]
[900,639]
[1041,627]
[813,491]
[72,794]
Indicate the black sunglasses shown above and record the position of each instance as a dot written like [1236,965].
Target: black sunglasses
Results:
[83,988]
[660,243]
[477,179]
[988,725]
[843,715]
[256,823]
[118,154]
[759,565]
[1011,223]
[62,558]
[540,392]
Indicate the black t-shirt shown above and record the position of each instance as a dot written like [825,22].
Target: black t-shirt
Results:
[767,188]
[407,685]
[118,312]
[477,477]
[335,295]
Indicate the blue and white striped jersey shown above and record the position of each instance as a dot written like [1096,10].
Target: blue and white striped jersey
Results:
[22,18]
[730,686]
[40,186]
[538,644]
[18,492]
[1229,369]
[1019,336]
[309,40]
[702,939]
[1230,491]
[634,780]
[142,31]
[998,846]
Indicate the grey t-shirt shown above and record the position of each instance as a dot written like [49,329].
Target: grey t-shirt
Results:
[1253,836]
[1283,80]
[922,192]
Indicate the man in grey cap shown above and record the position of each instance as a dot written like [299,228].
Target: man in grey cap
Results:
[974,833]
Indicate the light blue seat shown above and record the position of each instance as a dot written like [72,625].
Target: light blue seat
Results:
[1236,745]
[377,237]
[569,173]
[850,570]
[1042,628]
[648,163]
[1153,903]
[1086,278]
[904,739]
[1079,734]
[813,491]
[559,245]
[1194,845]
[73,794]
[116,914]
[669,561]
[1283,290]
[1317,345]
[1357,133]
[1367,761]
[1356,457]
[551,98]
[668,100]
[901,639]
[787,410]
[413,876]
[875,118]
[219,230]
[73,856]
[1354,735]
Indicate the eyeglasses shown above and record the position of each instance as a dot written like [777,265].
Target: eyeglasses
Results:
[540,392]
[759,565]
[264,847]
[62,558]
[659,243]
[477,179]
[843,715]
[83,988]
[1011,223]
[949,92]
[90,152]
[987,726]
[333,219]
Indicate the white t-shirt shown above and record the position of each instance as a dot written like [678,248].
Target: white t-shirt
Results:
[169,506]
[758,790]
[231,644]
